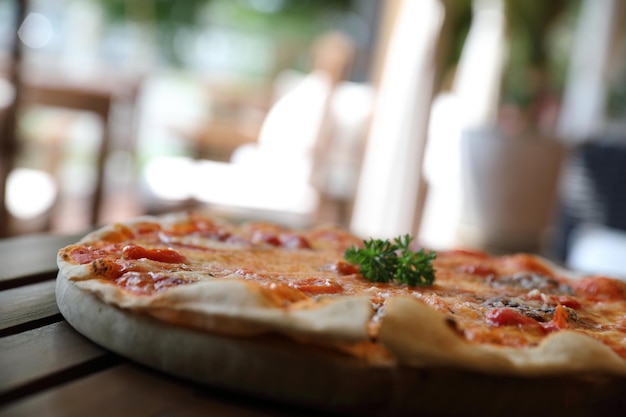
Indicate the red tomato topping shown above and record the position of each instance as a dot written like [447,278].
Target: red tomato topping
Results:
[478,269]
[147,282]
[106,268]
[86,254]
[180,229]
[261,236]
[146,228]
[199,225]
[116,234]
[158,255]
[569,302]
[346,268]
[506,316]
[559,320]
[283,294]
[525,262]
[466,252]
[292,241]
[314,286]
[285,240]
[601,288]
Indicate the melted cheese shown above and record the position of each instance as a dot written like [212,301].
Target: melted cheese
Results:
[513,301]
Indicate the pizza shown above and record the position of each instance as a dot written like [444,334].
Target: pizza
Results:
[236,304]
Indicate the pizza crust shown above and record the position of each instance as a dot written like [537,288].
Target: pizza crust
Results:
[275,368]
[236,308]
[419,336]
[266,365]
[411,333]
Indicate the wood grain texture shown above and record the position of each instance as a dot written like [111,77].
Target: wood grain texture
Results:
[41,352]
[23,304]
[128,390]
[30,258]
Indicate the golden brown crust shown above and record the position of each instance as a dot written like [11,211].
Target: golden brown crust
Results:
[427,340]
[300,374]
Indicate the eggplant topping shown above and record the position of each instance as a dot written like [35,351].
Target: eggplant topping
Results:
[536,310]
[530,281]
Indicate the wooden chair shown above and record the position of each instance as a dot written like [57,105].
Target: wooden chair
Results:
[95,96]
[283,172]
[8,141]
[76,97]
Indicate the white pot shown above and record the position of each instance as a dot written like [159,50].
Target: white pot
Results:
[510,190]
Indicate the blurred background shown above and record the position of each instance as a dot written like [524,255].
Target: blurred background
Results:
[496,125]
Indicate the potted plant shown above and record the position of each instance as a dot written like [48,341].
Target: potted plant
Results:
[511,170]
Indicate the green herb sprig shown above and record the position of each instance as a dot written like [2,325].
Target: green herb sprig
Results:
[385,261]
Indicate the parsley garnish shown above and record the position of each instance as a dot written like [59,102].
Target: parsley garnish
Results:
[384,261]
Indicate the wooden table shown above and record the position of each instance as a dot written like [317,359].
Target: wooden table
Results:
[48,369]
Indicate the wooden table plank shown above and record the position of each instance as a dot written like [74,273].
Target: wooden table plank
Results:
[19,306]
[202,404]
[41,353]
[129,390]
[30,258]
[122,390]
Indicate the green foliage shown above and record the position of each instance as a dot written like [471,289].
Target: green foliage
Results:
[533,66]
[385,261]
[281,19]
[189,12]
[531,20]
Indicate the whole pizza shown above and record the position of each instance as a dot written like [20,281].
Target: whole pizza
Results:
[319,316]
